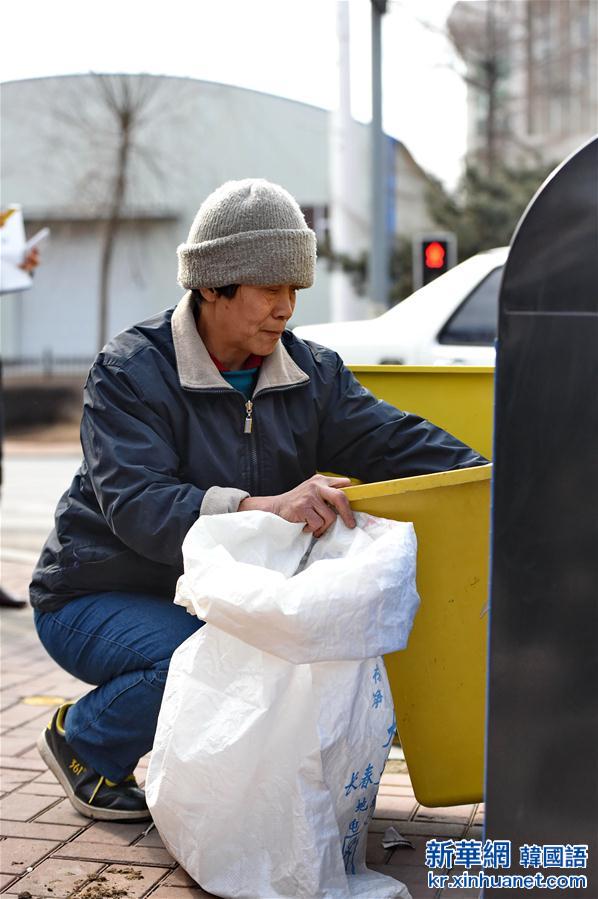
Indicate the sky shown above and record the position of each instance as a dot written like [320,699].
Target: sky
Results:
[282,47]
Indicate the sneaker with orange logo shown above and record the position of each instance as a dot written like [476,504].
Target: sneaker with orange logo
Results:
[91,793]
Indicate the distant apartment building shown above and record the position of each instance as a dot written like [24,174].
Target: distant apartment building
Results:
[59,143]
[532,76]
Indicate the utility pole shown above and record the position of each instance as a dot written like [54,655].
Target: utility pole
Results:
[347,225]
[379,246]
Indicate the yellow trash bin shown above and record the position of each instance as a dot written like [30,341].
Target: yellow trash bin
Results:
[439,681]
[458,398]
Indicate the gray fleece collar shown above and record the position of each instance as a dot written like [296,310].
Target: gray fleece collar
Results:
[198,372]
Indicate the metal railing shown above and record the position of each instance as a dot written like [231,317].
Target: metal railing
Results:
[46,364]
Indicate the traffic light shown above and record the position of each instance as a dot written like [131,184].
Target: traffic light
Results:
[433,255]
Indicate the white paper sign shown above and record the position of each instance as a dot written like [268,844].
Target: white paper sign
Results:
[12,251]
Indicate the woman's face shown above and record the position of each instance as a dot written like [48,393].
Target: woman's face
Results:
[252,321]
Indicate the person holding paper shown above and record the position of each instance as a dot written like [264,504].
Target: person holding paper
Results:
[27,260]
[18,256]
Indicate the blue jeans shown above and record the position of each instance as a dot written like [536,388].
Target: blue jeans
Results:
[122,642]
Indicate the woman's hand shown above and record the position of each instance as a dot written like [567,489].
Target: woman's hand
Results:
[317,502]
[31,260]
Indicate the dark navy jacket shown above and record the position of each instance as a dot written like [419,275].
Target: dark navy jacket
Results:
[164,440]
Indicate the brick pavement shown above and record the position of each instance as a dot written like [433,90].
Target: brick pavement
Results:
[49,851]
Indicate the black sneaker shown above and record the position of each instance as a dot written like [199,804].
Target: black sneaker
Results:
[8,601]
[91,793]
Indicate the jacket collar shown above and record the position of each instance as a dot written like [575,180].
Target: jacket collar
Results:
[198,372]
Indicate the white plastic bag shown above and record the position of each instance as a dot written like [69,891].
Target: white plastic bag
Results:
[277,717]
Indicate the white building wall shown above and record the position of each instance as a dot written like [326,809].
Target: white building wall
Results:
[57,153]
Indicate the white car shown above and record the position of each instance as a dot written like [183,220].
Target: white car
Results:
[451,321]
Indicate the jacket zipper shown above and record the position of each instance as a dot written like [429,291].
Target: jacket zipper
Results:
[248,426]
[248,429]
[248,419]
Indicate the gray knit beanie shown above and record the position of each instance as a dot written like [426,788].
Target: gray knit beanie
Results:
[248,232]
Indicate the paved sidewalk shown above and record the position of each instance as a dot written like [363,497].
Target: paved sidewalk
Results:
[49,851]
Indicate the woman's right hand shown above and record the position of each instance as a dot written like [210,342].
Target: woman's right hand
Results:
[316,502]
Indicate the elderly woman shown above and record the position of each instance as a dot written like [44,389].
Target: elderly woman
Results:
[211,407]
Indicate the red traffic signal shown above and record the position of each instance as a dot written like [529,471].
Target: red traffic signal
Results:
[435,254]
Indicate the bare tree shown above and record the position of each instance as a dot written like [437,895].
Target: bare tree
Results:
[128,102]
[502,170]
[487,41]
[519,56]
[111,162]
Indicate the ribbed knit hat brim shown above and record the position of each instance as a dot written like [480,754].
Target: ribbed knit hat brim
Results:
[248,232]
[272,256]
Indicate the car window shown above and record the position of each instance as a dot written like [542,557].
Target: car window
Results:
[475,321]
